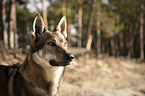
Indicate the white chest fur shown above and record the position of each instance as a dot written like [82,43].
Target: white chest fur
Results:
[53,73]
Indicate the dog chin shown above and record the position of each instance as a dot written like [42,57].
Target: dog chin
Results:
[54,63]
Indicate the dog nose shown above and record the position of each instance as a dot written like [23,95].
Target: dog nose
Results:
[70,57]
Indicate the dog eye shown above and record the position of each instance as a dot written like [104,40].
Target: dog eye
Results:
[51,44]
[65,44]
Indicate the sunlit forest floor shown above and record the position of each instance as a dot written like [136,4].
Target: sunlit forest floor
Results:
[89,75]
[104,76]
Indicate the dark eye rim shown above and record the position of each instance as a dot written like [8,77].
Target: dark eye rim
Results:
[65,43]
[51,43]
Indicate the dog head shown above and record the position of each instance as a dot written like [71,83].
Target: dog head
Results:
[50,46]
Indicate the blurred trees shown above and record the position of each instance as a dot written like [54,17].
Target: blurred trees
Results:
[15,23]
[115,27]
[12,27]
[79,23]
[90,25]
[98,22]
[3,24]
[44,14]
[129,13]
[141,29]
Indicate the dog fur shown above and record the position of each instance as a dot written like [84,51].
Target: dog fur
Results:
[42,71]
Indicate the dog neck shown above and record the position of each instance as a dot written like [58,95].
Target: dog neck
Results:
[41,74]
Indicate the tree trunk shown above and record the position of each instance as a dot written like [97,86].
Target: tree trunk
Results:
[107,48]
[15,27]
[64,7]
[1,25]
[130,47]
[141,32]
[121,44]
[79,23]
[51,25]
[103,46]
[84,36]
[98,30]
[112,46]
[44,15]
[69,34]
[5,35]
[12,26]
[88,47]
[92,10]
[116,46]
[120,36]
[131,40]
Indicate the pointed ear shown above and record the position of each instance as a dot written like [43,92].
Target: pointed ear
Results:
[62,25]
[38,26]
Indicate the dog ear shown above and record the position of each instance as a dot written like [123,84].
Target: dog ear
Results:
[38,26]
[62,25]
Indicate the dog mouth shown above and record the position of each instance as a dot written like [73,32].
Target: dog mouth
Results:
[62,63]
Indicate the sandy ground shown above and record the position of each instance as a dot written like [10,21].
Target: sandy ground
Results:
[105,76]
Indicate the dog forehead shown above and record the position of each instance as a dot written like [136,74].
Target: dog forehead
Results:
[48,35]
[54,35]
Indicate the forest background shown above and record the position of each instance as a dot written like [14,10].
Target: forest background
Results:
[114,27]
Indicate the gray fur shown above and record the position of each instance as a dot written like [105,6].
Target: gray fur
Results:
[42,71]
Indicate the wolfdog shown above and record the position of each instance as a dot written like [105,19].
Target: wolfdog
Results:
[42,71]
